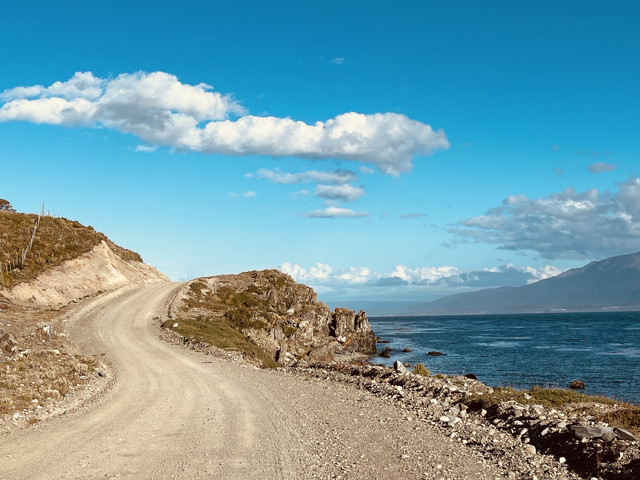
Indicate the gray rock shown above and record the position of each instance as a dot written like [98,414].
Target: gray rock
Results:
[585,431]
[399,367]
[624,435]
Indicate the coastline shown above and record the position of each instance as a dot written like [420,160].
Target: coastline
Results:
[530,440]
[547,350]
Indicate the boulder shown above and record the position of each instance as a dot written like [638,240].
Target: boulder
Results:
[577,385]
[435,353]
[386,353]
[399,367]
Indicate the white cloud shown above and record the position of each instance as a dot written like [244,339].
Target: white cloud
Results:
[81,85]
[338,61]
[160,110]
[336,177]
[335,212]
[588,225]
[343,193]
[407,216]
[601,167]
[146,148]
[423,275]
[445,276]
[515,200]
[367,170]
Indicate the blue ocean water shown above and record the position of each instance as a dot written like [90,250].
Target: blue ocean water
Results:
[549,350]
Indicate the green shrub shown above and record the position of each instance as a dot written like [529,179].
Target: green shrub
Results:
[420,369]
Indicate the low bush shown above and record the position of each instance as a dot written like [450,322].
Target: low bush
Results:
[420,369]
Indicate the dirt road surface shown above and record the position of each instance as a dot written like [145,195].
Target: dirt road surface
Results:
[176,413]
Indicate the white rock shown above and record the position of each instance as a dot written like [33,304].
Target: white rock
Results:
[175,325]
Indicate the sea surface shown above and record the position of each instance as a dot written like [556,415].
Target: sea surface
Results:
[549,350]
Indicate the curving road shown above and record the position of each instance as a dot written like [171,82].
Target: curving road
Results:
[175,413]
[169,416]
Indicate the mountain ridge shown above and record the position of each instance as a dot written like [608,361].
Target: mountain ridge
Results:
[605,285]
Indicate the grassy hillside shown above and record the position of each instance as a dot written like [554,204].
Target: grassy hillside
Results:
[57,240]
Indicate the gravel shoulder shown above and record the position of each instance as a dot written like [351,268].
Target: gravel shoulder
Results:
[176,413]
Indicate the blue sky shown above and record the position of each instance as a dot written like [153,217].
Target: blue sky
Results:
[459,146]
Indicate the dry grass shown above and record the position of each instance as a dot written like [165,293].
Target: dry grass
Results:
[36,368]
[547,397]
[616,413]
[627,417]
[420,369]
[221,333]
[57,240]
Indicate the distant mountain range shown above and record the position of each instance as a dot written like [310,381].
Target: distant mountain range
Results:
[610,284]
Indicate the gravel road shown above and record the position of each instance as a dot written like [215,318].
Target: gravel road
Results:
[176,413]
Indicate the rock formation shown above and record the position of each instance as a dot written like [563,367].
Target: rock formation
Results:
[277,314]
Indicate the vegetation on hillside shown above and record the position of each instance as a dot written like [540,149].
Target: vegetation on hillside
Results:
[624,415]
[222,315]
[57,240]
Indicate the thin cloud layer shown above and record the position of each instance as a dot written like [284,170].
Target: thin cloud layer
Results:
[343,193]
[160,110]
[601,167]
[335,212]
[323,275]
[336,177]
[571,225]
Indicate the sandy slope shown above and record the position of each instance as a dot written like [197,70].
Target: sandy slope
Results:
[96,271]
[175,413]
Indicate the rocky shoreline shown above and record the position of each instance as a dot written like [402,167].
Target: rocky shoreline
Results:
[531,441]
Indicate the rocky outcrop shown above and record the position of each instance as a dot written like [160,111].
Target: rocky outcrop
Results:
[346,323]
[99,270]
[282,317]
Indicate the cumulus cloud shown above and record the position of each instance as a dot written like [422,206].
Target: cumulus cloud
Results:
[601,167]
[569,224]
[423,275]
[160,110]
[343,193]
[442,276]
[335,212]
[336,177]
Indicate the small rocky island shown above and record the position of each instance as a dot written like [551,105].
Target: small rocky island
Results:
[270,318]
